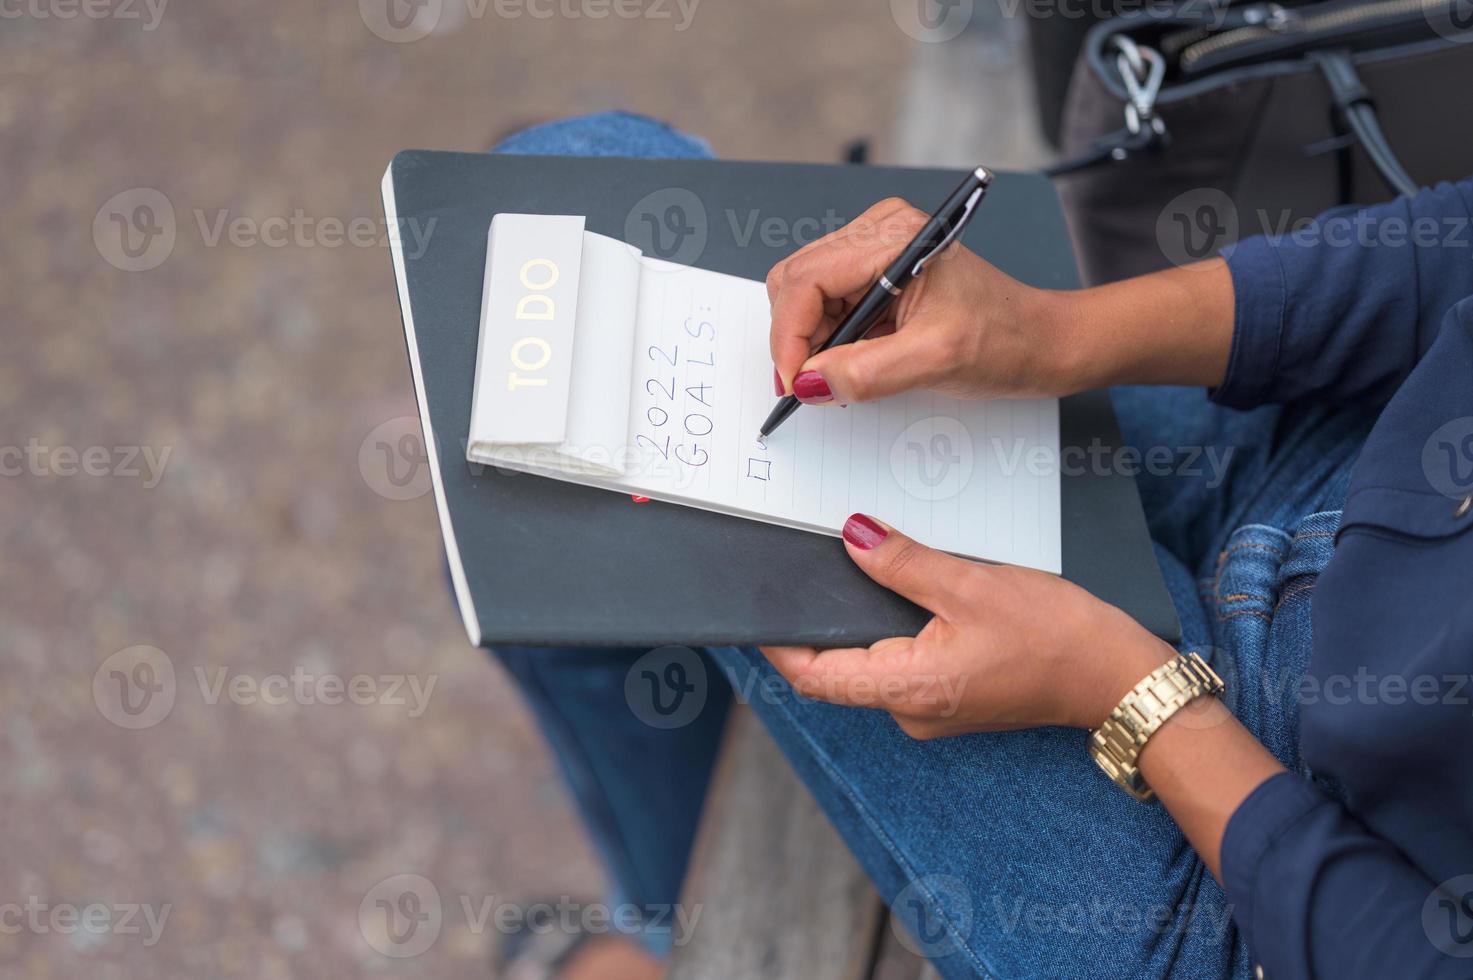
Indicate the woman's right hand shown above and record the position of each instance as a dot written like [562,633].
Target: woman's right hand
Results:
[964,328]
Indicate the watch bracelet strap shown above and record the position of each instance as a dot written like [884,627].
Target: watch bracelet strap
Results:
[1117,744]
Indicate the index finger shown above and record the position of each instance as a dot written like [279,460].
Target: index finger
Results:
[803,286]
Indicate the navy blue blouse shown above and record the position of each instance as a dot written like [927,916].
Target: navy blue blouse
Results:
[1373,307]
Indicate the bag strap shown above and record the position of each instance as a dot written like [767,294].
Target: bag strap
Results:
[1142,70]
[1353,100]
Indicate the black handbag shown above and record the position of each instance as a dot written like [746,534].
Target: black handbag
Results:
[1190,127]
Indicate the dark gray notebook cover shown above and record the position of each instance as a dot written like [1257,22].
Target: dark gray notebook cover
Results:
[544,562]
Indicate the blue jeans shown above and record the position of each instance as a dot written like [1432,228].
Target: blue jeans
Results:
[1009,854]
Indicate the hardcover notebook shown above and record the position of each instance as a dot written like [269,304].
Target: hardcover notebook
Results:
[602,366]
[541,561]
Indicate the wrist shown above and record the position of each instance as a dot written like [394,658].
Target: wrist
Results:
[1075,341]
[1121,668]
[1173,327]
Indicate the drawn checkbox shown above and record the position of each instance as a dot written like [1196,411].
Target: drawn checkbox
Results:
[759,469]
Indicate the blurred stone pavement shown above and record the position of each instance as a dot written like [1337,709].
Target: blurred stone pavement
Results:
[235,690]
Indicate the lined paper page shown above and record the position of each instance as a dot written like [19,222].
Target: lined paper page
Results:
[975,478]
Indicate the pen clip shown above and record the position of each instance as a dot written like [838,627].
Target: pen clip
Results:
[956,229]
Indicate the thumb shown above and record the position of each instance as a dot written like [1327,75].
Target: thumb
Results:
[923,575]
[870,369]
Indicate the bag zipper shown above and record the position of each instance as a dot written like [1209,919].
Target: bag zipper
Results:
[1275,21]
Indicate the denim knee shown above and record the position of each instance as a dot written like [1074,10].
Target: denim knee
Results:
[606,134]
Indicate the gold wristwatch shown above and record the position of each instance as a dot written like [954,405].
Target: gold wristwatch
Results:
[1163,692]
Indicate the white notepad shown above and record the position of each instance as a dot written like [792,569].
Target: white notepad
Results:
[604,367]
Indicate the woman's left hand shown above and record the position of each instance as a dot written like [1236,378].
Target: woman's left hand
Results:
[1008,648]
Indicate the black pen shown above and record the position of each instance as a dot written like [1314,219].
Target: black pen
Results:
[945,225]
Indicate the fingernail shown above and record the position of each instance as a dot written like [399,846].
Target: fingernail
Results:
[777,382]
[811,389]
[863,532]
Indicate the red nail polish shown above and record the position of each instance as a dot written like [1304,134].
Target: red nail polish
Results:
[862,532]
[777,382]
[811,389]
